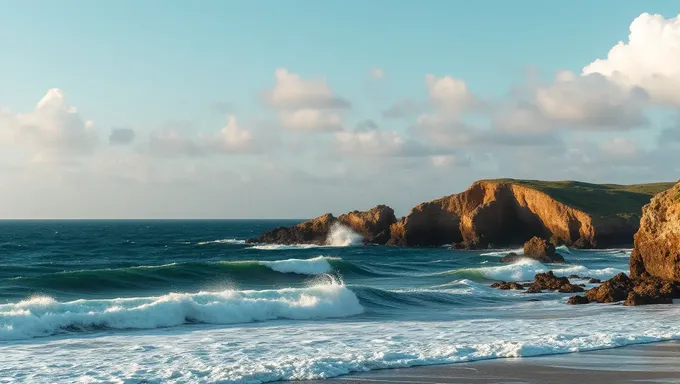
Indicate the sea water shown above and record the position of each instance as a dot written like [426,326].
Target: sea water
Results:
[191,302]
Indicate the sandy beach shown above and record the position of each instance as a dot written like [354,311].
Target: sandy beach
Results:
[647,363]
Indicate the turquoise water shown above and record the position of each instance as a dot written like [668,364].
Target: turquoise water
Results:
[189,301]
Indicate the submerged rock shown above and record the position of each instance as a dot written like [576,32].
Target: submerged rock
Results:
[542,281]
[578,300]
[506,286]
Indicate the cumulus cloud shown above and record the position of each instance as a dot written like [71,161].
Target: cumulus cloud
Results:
[293,92]
[590,102]
[121,136]
[369,140]
[53,126]
[231,139]
[450,94]
[650,59]
[305,104]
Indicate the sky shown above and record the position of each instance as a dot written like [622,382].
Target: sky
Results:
[294,108]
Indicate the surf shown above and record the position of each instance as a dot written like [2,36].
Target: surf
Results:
[45,316]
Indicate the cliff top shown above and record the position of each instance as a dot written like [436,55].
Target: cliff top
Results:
[596,199]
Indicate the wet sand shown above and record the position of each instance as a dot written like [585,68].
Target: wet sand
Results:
[649,363]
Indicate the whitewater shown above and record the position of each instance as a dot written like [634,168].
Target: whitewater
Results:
[192,302]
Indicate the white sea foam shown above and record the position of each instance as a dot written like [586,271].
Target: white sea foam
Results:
[343,236]
[284,247]
[520,251]
[504,252]
[314,266]
[339,236]
[222,241]
[43,316]
[314,350]
[525,269]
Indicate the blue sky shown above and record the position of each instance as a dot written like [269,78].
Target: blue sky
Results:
[169,73]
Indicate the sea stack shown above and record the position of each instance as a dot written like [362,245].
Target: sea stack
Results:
[372,225]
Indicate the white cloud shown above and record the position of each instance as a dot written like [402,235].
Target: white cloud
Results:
[53,126]
[449,93]
[650,59]
[377,73]
[590,102]
[370,143]
[232,137]
[310,120]
[293,92]
[305,105]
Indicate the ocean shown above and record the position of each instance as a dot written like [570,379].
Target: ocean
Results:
[191,302]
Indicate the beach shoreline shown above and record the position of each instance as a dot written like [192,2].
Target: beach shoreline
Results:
[642,363]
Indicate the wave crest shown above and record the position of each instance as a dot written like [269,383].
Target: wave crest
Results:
[44,316]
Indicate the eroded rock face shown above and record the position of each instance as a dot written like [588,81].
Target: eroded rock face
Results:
[313,231]
[657,242]
[542,250]
[612,290]
[502,213]
[373,225]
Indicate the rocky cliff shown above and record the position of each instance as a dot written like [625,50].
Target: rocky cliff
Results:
[657,243]
[506,212]
[372,225]
[496,213]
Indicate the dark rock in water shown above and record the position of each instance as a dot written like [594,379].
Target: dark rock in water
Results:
[533,300]
[373,225]
[313,231]
[582,243]
[506,286]
[458,246]
[542,250]
[574,277]
[511,258]
[534,289]
[570,288]
[581,285]
[635,292]
[578,300]
[612,290]
[549,282]
[594,281]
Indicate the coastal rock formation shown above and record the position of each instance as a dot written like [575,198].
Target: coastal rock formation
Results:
[645,291]
[542,250]
[313,231]
[578,300]
[657,243]
[612,290]
[503,285]
[536,249]
[507,212]
[373,225]
[542,281]
[548,281]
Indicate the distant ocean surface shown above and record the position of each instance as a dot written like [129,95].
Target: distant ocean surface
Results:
[190,302]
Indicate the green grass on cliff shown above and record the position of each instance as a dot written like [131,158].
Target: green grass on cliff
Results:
[597,199]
